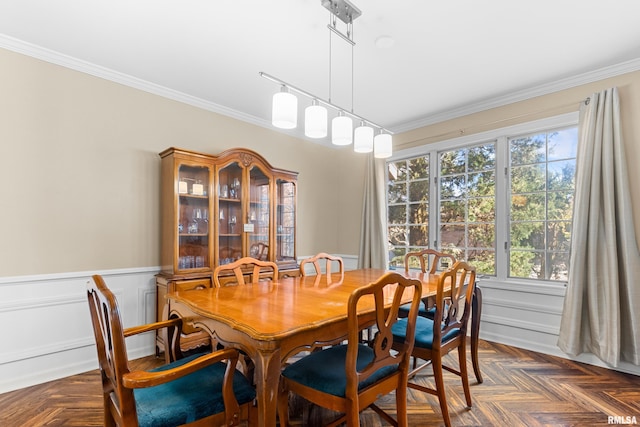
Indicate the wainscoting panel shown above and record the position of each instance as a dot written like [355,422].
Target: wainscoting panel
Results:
[47,331]
[528,316]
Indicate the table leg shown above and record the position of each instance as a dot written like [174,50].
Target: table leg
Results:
[476,305]
[267,377]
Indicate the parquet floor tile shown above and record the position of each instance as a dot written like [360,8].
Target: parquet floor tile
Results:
[520,388]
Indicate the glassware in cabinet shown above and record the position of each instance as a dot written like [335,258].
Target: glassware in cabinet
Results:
[285,221]
[259,215]
[230,213]
[193,245]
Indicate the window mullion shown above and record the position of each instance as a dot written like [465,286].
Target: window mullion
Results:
[434,200]
[502,208]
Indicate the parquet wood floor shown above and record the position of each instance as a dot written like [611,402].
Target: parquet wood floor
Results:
[520,388]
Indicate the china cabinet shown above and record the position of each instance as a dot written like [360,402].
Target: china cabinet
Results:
[216,209]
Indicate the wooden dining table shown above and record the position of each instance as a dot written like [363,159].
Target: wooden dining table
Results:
[272,321]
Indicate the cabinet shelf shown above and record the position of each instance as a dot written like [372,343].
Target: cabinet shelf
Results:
[194,234]
[230,200]
[194,196]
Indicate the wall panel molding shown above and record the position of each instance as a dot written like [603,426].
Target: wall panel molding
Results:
[54,337]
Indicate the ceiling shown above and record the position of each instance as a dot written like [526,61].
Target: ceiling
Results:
[446,56]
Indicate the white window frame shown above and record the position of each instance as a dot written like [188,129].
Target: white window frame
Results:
[500,136]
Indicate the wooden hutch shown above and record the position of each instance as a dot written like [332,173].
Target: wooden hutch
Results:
[215,210]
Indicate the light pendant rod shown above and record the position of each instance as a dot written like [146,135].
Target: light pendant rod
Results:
[322,101]
[337,32]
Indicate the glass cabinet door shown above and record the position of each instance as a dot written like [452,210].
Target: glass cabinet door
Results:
[258,215]
[193,217]
[229,214]
[285,221]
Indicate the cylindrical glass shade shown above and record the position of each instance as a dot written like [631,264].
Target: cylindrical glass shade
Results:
[382,146]
[284,110]
[363,139]
[341,130]
[315,121]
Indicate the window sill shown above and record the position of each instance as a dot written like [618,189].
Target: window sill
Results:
[524,286]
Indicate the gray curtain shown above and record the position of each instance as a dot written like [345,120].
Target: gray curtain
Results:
[602,305]
[373,232]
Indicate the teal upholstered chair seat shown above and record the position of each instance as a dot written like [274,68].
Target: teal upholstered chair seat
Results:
[424,332]
[331,379]
[189,398]
[423,311]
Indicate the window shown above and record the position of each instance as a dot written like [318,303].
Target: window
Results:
[467,205]
[541,182]
[408,207]
[502,200]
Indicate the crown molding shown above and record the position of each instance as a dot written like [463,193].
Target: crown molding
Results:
[522,95]
[67,61]
[76,64]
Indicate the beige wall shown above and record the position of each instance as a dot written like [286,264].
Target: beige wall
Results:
[80,171]
[547,106]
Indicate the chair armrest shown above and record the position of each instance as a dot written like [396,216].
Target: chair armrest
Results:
[142,379]
[134,330]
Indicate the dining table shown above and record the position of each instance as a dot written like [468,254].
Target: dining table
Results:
[272,321]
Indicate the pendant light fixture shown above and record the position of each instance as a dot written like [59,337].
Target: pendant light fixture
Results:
[382,146]
[285,104]
[363,138]
[315,120]
[284,113]
[341,129]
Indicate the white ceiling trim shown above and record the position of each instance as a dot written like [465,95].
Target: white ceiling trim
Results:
[522,95]
[58,58]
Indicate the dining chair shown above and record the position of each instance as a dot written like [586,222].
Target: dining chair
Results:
[436,338]
[350,377]
[256,269]
[427,258]
[316,261]
[203,387]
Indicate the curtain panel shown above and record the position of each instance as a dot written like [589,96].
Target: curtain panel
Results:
[373,232]
[601,312]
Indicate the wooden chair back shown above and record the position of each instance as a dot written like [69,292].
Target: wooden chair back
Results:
[316,261]
[256,270]
[428,257]
[382,342]
[453,300]
[119,402]
[386,364]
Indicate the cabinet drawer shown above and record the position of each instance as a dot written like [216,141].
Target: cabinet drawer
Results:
[187,285]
